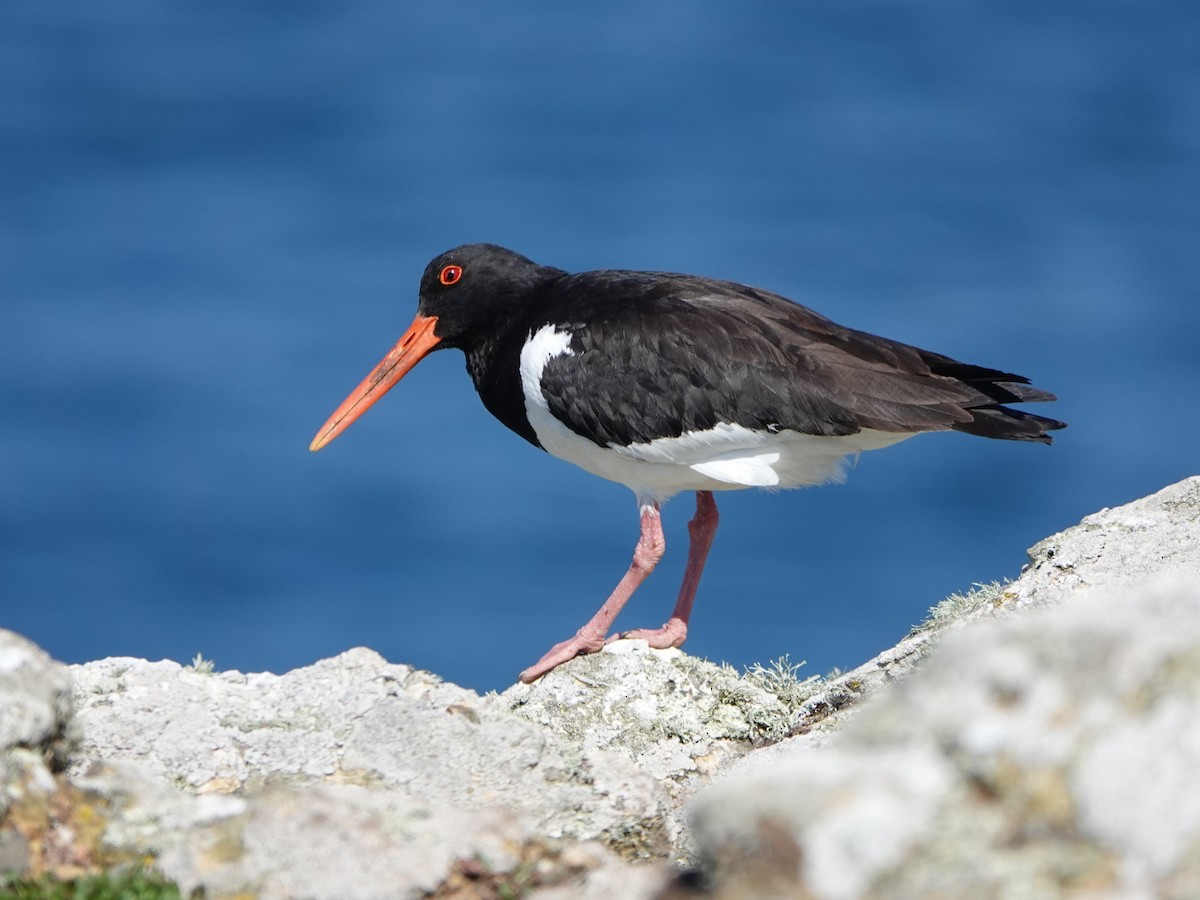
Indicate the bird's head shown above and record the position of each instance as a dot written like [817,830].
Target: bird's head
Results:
[466,294]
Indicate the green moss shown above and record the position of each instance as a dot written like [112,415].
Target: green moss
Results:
[107,886]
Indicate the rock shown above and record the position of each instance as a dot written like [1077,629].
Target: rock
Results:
[1054,752]
[35,706]
[1121,547]
[352,752]
[37,695]
[1034,739]
[217,774]
[1125,546]
[676,718]
[337,840]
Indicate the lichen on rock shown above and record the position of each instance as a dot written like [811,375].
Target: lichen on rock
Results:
[1036,738]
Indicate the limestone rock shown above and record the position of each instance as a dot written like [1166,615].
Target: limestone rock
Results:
[1041,741]
[1050,748]
[35,705]
[1125,546]
[1120,547]
[352,757]
[36,692]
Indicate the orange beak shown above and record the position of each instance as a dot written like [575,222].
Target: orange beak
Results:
[409,350]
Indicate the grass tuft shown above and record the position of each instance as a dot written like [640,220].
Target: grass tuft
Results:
[202,666]
[105,886]
[957,606]
[781,677]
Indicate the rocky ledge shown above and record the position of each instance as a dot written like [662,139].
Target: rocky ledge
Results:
[1035,739]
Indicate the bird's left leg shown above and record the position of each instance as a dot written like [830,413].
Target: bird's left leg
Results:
[702,529]
[590,637]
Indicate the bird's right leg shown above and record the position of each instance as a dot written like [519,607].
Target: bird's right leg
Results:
[702,529]
[591,637]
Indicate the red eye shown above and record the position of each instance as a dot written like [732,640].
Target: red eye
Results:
[450,274]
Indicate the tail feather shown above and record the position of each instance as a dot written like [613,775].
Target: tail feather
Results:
[989,418]
[996,421]
[1014,392]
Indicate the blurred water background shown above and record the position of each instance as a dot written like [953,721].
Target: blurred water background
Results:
[213,216]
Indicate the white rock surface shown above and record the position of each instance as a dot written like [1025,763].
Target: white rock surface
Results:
[1050,748]
[1125,546]
[351,758]
[1045,744]
[36,692]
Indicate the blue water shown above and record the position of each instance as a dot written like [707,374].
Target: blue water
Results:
[213,217]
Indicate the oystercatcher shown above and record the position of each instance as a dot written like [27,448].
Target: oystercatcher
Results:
[668,383]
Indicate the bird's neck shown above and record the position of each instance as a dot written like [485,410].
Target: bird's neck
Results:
[494,364]
[494,352]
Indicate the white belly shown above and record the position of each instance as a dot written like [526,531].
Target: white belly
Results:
[726,457]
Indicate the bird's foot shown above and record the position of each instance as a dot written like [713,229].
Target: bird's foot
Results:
[560,653]
[672,634]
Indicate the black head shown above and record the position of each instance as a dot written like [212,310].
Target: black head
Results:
[473,290]
[468,296]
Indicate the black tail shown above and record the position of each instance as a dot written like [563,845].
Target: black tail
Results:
[989,418]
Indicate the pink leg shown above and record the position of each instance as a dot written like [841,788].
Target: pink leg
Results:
[702,529]
[590,637]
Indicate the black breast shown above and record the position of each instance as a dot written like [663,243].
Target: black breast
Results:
[494,365]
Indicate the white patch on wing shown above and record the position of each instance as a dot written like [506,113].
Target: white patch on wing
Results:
[725,457]
[743,457]
[541,347]
[752,471]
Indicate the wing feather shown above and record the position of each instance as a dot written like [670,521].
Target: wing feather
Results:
[674,354]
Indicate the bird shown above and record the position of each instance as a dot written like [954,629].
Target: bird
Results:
[668,383]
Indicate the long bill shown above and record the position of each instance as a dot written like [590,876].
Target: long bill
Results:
[412,347]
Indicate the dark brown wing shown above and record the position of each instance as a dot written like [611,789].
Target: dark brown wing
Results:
[661,355]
